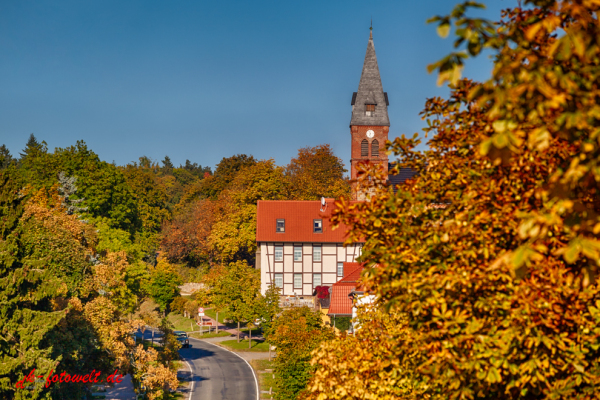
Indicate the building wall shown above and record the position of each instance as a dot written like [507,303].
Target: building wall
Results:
[331,254]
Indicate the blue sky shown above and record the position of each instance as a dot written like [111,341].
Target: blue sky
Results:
[203,80]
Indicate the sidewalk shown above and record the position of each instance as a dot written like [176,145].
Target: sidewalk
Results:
[223,328]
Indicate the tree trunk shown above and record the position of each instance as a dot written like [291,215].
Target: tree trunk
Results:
[250,338]
[238,331]
[217,327]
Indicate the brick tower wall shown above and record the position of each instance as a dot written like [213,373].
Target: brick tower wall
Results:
[358,133]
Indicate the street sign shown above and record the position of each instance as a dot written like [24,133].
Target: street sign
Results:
[201,314]
[200,309]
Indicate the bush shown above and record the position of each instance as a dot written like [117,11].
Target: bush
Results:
[342,323]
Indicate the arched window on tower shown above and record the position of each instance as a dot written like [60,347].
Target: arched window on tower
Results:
[374,148]
[364,148]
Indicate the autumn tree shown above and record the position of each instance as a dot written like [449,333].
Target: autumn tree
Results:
[233,235]
[186,237]
[225,173]
[316,172]
[151,196]
[366,364]
[296,333]
[491,254]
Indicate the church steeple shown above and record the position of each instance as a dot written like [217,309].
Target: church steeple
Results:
[369,125]
[369,103]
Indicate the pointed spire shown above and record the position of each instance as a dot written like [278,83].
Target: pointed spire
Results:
[370,91]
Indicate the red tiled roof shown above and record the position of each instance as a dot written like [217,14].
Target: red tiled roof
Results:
[341,304]
[299,216]
[350,269]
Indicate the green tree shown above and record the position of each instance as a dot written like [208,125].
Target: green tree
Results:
[164,283]
[238,289]
[43,261]
[36,165]
[107,195]
[269,309]
[6,159]
[32,147]
[168,166]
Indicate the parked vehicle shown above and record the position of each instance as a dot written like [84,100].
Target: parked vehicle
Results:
[182,337]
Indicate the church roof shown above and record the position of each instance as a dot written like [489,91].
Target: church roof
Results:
[370,91]
[403,175]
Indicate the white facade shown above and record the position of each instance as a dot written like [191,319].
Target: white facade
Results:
[298,267]
[360,301]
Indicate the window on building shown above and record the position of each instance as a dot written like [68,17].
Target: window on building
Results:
[340,269]
[317,253]
[280,226]
[370,110]
[364,148]
[297,281]
[297,253]
[374,148]
[279,280]
[278,253]
[316,280]
[317,225]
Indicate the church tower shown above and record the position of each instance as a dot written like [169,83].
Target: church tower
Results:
[370,124]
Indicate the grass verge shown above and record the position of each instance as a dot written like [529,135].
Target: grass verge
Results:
[257,345]
[180,322]
[209,335]
[266,379]
[223,314]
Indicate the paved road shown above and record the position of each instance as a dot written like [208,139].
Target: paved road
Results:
[217,374]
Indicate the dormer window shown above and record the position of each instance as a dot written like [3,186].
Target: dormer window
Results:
[317,225]
[280,226]
[370,110]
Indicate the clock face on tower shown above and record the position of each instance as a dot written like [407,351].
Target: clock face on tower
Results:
[370,133]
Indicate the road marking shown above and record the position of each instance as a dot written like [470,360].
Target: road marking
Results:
[250,366]
[192,374]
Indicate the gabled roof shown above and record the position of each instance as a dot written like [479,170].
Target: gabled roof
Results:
[341,304]
[370,91]
[299,217]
